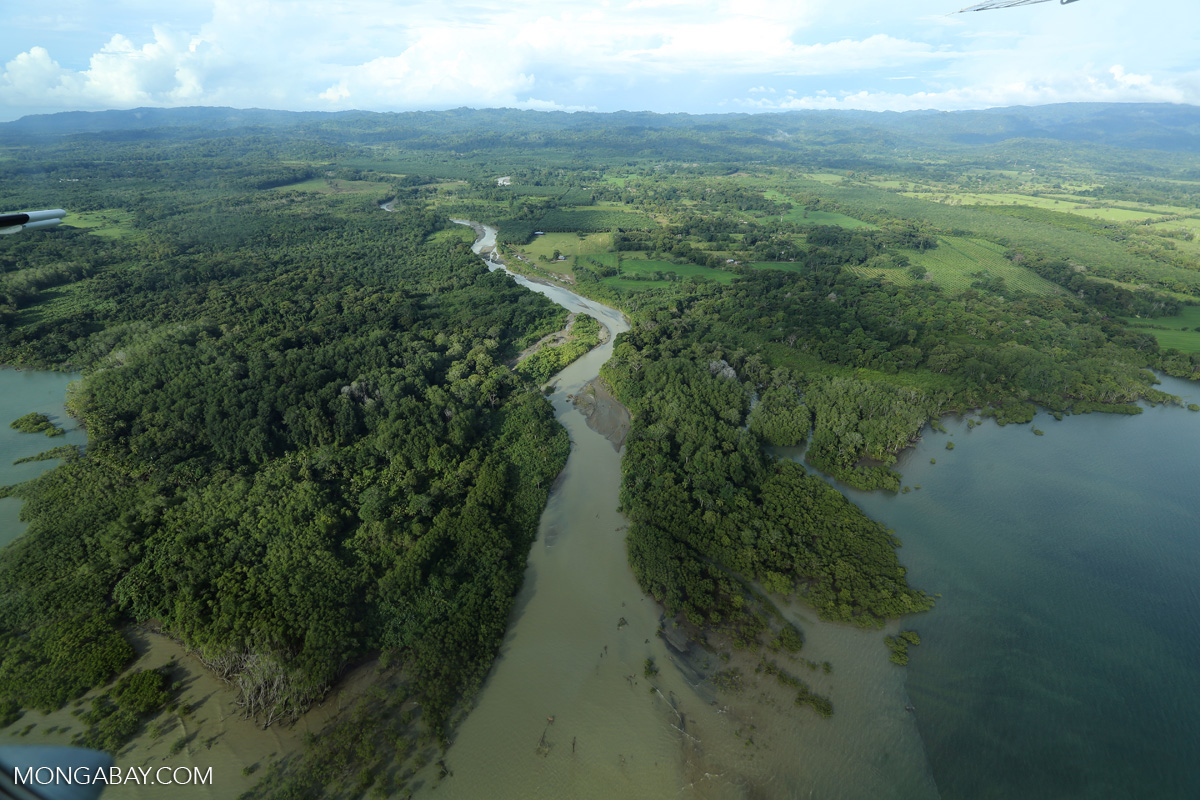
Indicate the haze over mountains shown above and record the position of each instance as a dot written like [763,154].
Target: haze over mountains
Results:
[1152,126]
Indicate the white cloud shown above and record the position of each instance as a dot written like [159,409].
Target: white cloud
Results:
[1112,85]
[162,72]
[379,54]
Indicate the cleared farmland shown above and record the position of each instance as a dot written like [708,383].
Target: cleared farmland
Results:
[958,261]
[1181,331]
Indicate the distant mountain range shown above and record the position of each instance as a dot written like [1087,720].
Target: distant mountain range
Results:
[1147,126]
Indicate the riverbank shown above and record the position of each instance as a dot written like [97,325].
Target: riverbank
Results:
[642,715]
[208,730]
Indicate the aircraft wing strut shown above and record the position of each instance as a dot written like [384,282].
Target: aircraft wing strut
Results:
[988,5]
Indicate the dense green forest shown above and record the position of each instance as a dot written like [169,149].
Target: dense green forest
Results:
[305,446]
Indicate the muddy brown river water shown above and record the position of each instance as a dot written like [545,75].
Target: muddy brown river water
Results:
[568,712]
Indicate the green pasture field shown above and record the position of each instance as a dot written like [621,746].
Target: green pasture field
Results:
[111,223]
[568,244]
[1183,334]
[454,234]
[1191,224]
[818,217]
[995,199]
[334,186]
[803,216]
[637,266]
[953,261]
[1116,214]
[824,177]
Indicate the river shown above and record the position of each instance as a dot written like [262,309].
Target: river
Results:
[1062,659]
[24,392]
[576,649]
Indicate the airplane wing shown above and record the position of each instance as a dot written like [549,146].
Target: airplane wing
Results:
[30,220]
[988,5]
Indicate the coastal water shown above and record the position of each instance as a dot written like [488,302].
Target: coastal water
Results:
[23,392]
[1063,658]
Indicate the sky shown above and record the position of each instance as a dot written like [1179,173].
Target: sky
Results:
[640,55]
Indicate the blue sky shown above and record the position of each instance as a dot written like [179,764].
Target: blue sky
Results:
[658,55]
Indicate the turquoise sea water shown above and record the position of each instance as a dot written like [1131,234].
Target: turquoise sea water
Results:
[1063,658]
[21,393]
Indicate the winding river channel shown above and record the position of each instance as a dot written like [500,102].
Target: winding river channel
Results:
[568,712]
[1062,660]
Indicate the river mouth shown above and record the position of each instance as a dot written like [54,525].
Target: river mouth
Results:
[569,709]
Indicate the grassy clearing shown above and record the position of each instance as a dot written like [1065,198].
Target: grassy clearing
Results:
[803,216]
[824,177]
[1183,329]
[631,266]
[1116,214]
[568,244]
[455,234]
[1192,225]
[334,186]
[111,223]
[1122,212]
[995,199]
[952,263]
[638,266]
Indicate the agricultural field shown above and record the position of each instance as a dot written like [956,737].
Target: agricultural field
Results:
[1191,224]
[955,263]
[111,223]
[455,234]
[1117,214]
[568,244]
[995,199]
[1182,330]
[593,220]
[334,186]
[824,177]
[816,217]
[635,266]
[803,216]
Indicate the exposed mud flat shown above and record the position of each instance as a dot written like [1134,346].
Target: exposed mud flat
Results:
[605,414]
[216,733]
